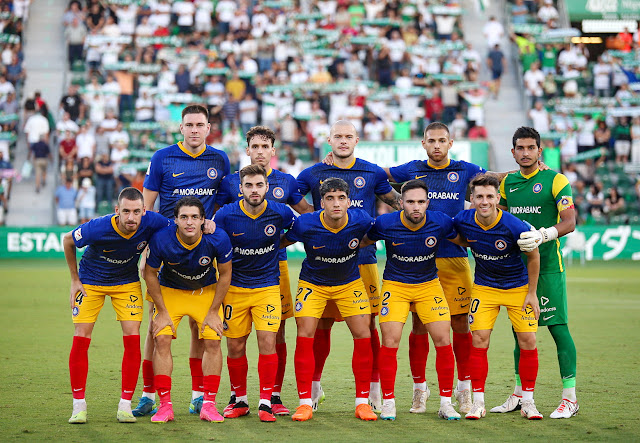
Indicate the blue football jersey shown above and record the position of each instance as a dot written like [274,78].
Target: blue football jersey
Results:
[256,241]
[365,180]
[174,173]
[332,254]
[411,252]
[283,188]
[188,266]
[447,190]
[111,257]
[495,248]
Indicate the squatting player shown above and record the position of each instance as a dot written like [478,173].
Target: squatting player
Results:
[544,199]
[189,167]
[186,285]
[283,188]
[412,237]
[366,181]
[331,239]
[254,226]
[501,279]
[109,267]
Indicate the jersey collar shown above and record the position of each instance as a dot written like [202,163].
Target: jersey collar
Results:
[114,224]
[332,230]
[530,175]
[408,226]
[266,202]
[186,246]
[190,154]
[492,225]
[347,167]
[269,172]
[438,167]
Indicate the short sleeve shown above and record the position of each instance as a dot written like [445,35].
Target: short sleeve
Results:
[375,233]
[288,218]
[294,193]
[295,233]
[400,173]
[382,183]
[473,169]
[153,179]
[562,192]
[503,194]
[154,256]
[158,221]
[303,180]
[83,234]
[224,192]
[448,229]
[224,247]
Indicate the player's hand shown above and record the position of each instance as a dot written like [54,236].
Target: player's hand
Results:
[214,322]
[209,227]
[532,300]
[76,290]
[161,321]
[542,165]
[328,160]
[530,240]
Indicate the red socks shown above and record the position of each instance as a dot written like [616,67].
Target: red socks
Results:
[281,350]
[79,365]
[479,368]
[163,383]
[321,349]
[388,369]
[375,349]
[130,365]
[304,364]
[211,385]
[418,353]
[462,349]
[238,368]
[528,369]
[361,364]
[267,369]
[197,383]
[147,376]
[444,369]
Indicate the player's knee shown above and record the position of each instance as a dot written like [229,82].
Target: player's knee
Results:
[163,343]
[212,346]
[460,323]
[236,347]
[280,335]
[527,340]
[480,339]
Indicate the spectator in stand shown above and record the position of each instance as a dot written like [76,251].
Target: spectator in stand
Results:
[105,181]
[75,35]
[66,204]
[478,132]
[458,127]
[144,107]
[586,137]
[540,117]
[519,13]
[595,200]
[493,32]
[230,112]
[37,127]
[68,148]
[73,104]
[614,203]
[623,94]
[548,14]
[85,169]
[569,145]
[73,12]
[248,108]
[622,136]
[10,106]
[549,59]
[374,128]
[533,80]
[626,40]
[66,125]
[183,78]
[549,87]
[497,64]
[445,26]
[5,85]
[635,140]
[15,72]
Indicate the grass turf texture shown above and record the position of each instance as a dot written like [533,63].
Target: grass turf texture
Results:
[36,397]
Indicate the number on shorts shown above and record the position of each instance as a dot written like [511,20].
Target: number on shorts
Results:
[304,298]
[79,297]
[228,310]
[474,305]
[385,297]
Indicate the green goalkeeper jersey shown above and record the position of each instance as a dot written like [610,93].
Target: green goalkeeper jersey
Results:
[539,198]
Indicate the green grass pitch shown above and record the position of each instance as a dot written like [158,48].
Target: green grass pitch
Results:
[604,305]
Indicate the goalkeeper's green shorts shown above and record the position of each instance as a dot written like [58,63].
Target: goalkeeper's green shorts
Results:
[552,294]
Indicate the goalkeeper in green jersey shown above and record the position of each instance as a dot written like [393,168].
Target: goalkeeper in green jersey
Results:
[543,198]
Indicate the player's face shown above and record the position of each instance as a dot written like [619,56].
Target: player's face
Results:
[414,205]
[343,140]
[437,144]
[335,204]
[189,222]
[526,152]
[260,150]
[254,189]
[194,128]
[485,199]
[129,214]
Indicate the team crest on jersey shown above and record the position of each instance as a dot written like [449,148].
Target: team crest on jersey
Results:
[353,244]
[278,192]
[204,260]
[470,319]
[359,182]
[75,311]
[501,245]
[384,311]
[431,241]
[270,230]
[564,201]
[298,306]
[78,234]
[453,177]
[537,188]
[212,173]
[141,245]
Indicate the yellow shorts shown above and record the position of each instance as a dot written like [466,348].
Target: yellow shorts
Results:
[427,298]
[371,281]
[195,304]
[351,299]
[456,281]
[285,291]
[126,300]
[485,306]
[244,305]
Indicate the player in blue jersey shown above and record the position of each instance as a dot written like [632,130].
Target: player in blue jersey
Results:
[254,226]
[109,267]
[366,181]
[501,279]
[331,239]
[283,188]
[187,285]
[412,237]
[189,167]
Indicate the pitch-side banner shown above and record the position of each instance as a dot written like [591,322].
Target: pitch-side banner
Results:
[600,243]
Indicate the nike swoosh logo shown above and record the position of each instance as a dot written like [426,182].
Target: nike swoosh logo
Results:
[318,247]
[270,324]
[471,241]
[376,305]
[164,393]
[177,175]
[531,324]
[108,250]
[212,393]
[513,189]
[363,307]
[128,392]
[284,312]
[265,389]
[76,390]
[547,318]
[228,254]
[397,244]
[236,235]
[442,313]
[302,393]
[464,306]
[135,313]
[420,176]
[173,264]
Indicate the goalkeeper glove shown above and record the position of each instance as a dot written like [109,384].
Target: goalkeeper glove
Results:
[530,240]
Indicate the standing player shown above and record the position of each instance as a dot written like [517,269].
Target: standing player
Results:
[501,279]
[109,267]
[282,188]
[544,199]
[254,225]
[331,239]
[366,181]
[189,167]
[412,237]
[186,285]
